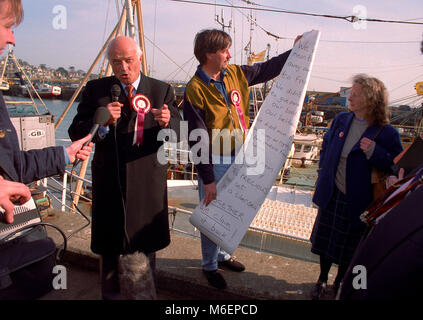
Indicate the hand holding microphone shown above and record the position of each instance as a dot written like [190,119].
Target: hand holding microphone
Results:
[115,106]
[81,149]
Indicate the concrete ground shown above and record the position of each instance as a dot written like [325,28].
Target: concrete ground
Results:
[267,276]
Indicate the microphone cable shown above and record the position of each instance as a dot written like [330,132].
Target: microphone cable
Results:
[78,210]
[120,187]
[115,91]
[101,116]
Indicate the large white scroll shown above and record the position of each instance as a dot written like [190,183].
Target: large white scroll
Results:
[243,188]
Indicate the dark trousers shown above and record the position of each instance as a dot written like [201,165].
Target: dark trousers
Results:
[109,272]
[325,265]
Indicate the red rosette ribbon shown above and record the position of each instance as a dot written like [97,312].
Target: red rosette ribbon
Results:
[141,104]
[236,100]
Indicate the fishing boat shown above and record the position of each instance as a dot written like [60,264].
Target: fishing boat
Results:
[4,84]
[46,91]
[307,148]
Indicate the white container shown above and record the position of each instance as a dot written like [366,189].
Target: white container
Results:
[34,131]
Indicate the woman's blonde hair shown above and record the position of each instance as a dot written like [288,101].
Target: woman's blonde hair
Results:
[376,97]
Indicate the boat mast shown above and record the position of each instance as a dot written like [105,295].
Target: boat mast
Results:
[130,19]
[141,36]
[221,22]
[248,47]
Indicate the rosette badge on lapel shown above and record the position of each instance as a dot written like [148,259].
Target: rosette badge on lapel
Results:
[236,100]
[141,104]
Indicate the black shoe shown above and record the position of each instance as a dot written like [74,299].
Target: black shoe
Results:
[232,264]
[110,286]
[318,290]
[110,289]
[215,279]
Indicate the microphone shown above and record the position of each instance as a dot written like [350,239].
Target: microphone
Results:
[115,90]
[101,116]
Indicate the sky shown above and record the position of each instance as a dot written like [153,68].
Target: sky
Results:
[64,33]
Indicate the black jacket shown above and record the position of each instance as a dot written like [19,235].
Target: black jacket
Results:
[392,254]
[129,183]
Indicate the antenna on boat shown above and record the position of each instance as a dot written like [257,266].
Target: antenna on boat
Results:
[221,21]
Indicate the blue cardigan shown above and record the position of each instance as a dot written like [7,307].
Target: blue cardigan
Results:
[359,190]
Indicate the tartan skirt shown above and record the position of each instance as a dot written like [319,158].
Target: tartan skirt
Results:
[334,236]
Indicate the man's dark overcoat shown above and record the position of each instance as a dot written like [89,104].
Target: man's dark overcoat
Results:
[391,253]
[130,210]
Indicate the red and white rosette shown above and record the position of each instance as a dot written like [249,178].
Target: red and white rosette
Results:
[141,104]
[236,100]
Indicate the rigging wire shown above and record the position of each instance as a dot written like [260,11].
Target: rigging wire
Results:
[351,19]
[417,64]
[277,37]
[370,42]
[190,68]
[165,54]
[368,69]
[403,99]
[175,72]
[420,75]
[155,46]
[414,102]
[334,80]
[105,22]
[405,115]
[101,66]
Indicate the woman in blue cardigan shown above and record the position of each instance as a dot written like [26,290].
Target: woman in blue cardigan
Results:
[356,142]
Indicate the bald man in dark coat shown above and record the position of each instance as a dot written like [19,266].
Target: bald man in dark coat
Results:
[130,209]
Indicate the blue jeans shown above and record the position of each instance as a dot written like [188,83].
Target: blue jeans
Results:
[210,251]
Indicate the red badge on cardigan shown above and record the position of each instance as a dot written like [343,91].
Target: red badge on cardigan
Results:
[235,97]
[341,134]
[236,100]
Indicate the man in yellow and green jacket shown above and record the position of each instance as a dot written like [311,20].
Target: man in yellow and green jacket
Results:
[216,106]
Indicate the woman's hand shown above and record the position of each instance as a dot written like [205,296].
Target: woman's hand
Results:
[366,144]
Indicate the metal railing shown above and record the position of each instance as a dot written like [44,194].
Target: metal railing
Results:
[255,238]
[60,191]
